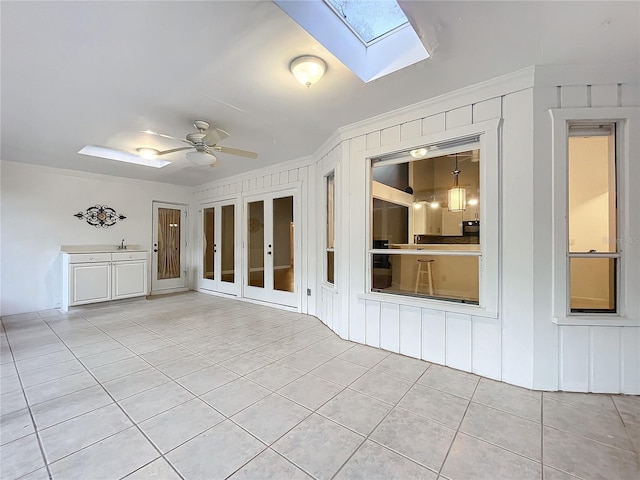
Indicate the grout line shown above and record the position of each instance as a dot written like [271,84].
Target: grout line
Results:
[33,421]
[134,424]
[446,456]
[542,435]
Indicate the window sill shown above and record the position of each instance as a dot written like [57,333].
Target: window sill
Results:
[596,321]
[329,287]
[475,310]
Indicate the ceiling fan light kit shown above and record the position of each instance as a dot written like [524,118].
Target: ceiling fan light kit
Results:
[201,158]
[308,69]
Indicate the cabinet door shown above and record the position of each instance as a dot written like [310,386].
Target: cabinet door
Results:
[90,282]
[451,223]
[129,279]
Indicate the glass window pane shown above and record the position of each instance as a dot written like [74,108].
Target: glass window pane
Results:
[330,267]
[447,277]
[208,259]
[331,211]
[283,246]
[593,284]
[592,193]
[227,258]
[255,236]
[369,22]
[390,223]
[168,243]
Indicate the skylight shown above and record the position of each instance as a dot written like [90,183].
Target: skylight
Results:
[369,22]
[372,38]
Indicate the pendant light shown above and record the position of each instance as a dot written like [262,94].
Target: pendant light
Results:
[456,196]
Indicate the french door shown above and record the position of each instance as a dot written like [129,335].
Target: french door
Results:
[218,270]
[169,268]
[270,272]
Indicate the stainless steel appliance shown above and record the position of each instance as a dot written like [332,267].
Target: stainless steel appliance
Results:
[471,228]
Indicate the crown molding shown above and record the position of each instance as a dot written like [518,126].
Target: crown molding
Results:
[478,92]
[301,162]
[91,176]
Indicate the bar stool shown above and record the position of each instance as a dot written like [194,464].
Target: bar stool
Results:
[424,268]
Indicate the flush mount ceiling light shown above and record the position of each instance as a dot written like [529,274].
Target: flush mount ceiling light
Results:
[418,153]
[456,195]
[308,69]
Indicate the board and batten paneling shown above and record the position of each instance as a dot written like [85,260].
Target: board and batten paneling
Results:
[283,176]
[460,341]
[589,358]
[522,346]
[432,335]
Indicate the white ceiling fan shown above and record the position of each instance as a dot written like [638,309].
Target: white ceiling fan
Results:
[204,144]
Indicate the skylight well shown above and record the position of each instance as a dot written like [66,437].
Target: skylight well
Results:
[372,38]
[369,20]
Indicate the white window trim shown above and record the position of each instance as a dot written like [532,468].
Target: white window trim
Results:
[627,120]
[490,213]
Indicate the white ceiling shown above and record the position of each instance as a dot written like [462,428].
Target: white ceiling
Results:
[77,73]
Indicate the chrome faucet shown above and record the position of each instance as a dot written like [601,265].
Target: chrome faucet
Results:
[122,246]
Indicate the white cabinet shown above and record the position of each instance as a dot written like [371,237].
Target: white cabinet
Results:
[427,220]
[129,273]
[471,213]
[451,223]
[90,282]
[99,277]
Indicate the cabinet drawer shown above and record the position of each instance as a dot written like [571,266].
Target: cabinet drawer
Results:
[89,257]
[122,256]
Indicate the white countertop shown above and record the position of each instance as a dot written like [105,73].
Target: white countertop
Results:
[100,248]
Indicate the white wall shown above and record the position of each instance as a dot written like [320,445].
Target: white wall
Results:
[576,357]
[38,204]
[522,346]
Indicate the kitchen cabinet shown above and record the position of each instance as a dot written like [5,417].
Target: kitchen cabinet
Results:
[129,272]
[471,213]
[451,223]
[427,220]
[102,276]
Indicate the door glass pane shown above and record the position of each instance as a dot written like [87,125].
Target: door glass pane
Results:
[208,259]
[228,244]
[330,267]
[168,243]
[283,247]
[255,235]
[593,284]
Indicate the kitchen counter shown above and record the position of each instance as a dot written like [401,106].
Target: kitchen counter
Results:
[100,248]
[472,247]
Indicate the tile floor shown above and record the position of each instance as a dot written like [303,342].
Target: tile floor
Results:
[199,387]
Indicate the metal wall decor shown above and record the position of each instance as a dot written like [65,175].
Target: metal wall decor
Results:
[100,216]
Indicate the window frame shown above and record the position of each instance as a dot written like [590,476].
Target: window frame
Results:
[490,210]
[626,120]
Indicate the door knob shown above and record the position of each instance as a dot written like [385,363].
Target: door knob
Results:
[268,253]
[155,249]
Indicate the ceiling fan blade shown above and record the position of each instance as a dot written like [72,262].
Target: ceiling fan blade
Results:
[151,132]
[121,156]
[236,151]
[214,135]
[164,152]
